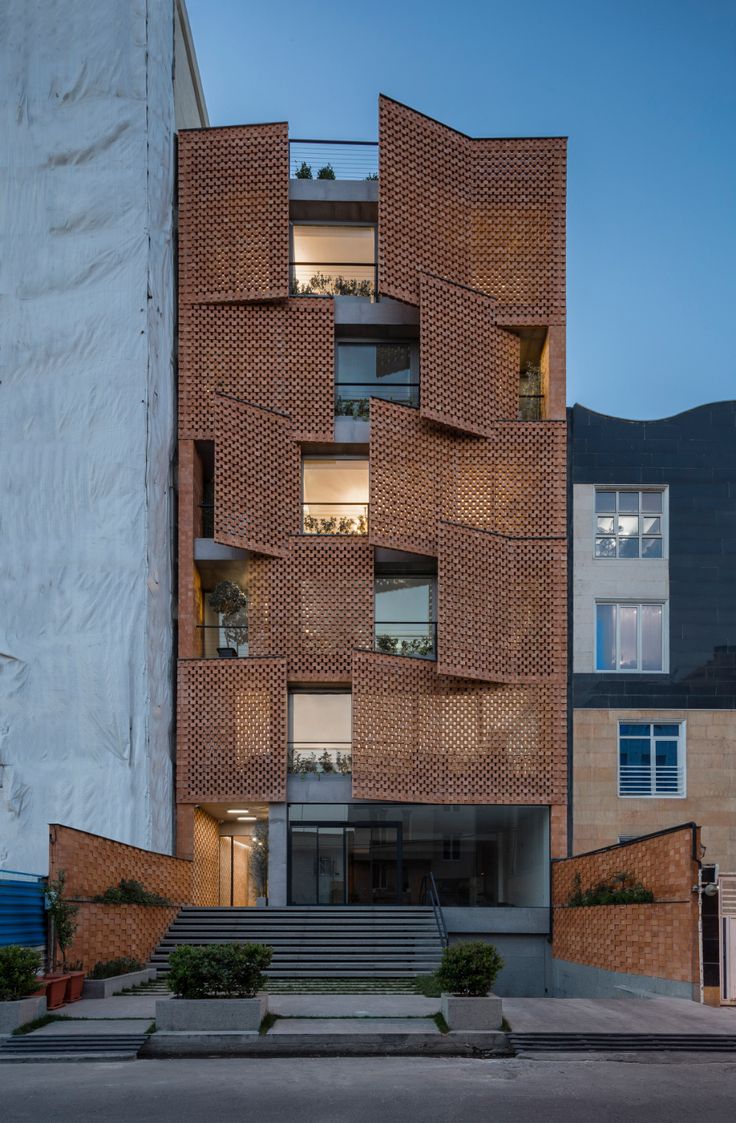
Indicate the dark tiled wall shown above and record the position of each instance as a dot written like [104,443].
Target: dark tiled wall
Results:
[695,454]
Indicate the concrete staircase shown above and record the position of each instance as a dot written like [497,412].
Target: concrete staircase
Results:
[340,942]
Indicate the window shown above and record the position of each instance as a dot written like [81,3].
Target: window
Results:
[629,637]
[320,732]
[333,260]
[651,759]
[334,496]
[629,524]
[375,370]
[405,616]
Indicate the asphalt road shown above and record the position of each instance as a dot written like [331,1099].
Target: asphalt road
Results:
[370,1090]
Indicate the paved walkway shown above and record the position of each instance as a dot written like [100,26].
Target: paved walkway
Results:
[616,1015]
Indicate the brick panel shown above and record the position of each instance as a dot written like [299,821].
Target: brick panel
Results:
[512,483]
[231,730]
[313,606]
[502,606]
[489,214]
[257,468]
[93,863]
[206,867]
[470,367]
[234,213]
[109,931]
[426,738]
[276,356]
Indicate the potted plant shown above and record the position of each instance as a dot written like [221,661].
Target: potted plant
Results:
[20,1001]
[231,604]
[215,988]
[61,916]
[466,975]
[110,976]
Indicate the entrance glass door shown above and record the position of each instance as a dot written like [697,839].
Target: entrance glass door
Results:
[337,864]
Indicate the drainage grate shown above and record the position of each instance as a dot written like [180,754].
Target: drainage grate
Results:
[622,1042]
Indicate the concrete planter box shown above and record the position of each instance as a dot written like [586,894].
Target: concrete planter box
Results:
[103,988]
[181,1014]
[472,1013]
[14,1014]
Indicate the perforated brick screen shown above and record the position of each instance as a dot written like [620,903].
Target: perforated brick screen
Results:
[257,466]
[234,213]
[313,606]
[512,483]
[485,213]
[502,609]
[231,731]
[426,738]
[470,367]
[277,356]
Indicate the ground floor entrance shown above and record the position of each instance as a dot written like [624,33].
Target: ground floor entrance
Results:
[356,864]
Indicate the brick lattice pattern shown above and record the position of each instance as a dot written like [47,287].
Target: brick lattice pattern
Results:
[657,940]
[427,738]
[313,607]
[231,730]
[206,865]
[234,213]
[278,356]
[489,214]
[503,608]
[512,483]
[109,931]
[470,367]
[93,863]
[257,466]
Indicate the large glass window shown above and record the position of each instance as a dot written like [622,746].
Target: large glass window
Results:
[405,616]
[333,260]
[629,524]
[629,637]
[651,759]
[320,732]
[375,370]
[479,856]
[334,496]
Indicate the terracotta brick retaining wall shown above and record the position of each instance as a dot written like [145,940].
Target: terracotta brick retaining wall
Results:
[109,931]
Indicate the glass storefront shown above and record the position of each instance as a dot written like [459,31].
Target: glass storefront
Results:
[368,854]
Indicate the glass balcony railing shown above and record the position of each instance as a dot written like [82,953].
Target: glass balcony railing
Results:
[333,159]
[220,641]
[353,399]
[320,757]
[335,518]
[409,638]
[333,278]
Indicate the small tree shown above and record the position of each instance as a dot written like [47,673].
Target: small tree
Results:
[61,914]
[259,858]
[326,172]
[303,172]
[231,603]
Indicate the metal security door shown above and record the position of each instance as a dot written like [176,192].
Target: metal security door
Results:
[727,921]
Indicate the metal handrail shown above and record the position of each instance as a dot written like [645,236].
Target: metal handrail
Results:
[430,895]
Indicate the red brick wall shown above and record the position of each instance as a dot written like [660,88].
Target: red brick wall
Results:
[206,878]
[109,931]
[658,940]
[93,863]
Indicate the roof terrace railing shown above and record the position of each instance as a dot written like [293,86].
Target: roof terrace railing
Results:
[345,159]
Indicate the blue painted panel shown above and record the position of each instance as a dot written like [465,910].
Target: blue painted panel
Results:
[22,911]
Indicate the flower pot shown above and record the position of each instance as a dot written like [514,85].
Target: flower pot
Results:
[19,1012]
[482,1014]
[55,990]
[74,986]
[224,1014]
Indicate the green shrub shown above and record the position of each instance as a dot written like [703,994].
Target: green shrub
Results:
[218,970]
[108,968]
[326,172]
[18,967]
[130,893]
[469,969]
[304,172]
[619,889]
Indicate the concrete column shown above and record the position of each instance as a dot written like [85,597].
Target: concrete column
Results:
[277,846]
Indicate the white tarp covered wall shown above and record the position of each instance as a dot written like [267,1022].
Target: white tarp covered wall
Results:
[86,423]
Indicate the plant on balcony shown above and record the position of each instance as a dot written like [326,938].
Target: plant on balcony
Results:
[304,171]
[335,524]
[218,970]
[420,646]
[258,858]
[372,175]
[130,892]
[326,172]
[18,970]
[231,603]
[326,284]
[309,764]
[357,408]
[619,889]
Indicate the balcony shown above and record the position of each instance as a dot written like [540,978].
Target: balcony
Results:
[386,370]
[409,638]
[224,641]
[320,758]
[334,518]
[331,260]
[333,159]
[531,396]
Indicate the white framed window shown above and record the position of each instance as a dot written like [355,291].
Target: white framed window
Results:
[630,523]
[651,759]
[630,637]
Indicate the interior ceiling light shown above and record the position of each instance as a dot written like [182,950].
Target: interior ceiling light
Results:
[246,818]
[238,811]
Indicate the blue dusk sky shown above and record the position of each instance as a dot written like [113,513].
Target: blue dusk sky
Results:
[644,89]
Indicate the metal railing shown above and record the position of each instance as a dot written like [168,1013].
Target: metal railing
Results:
[333,278]
[353,399]
[344,159]
[429,895]
[221,642]
[320,757]
[415,639]
[643,780]
[335,518]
